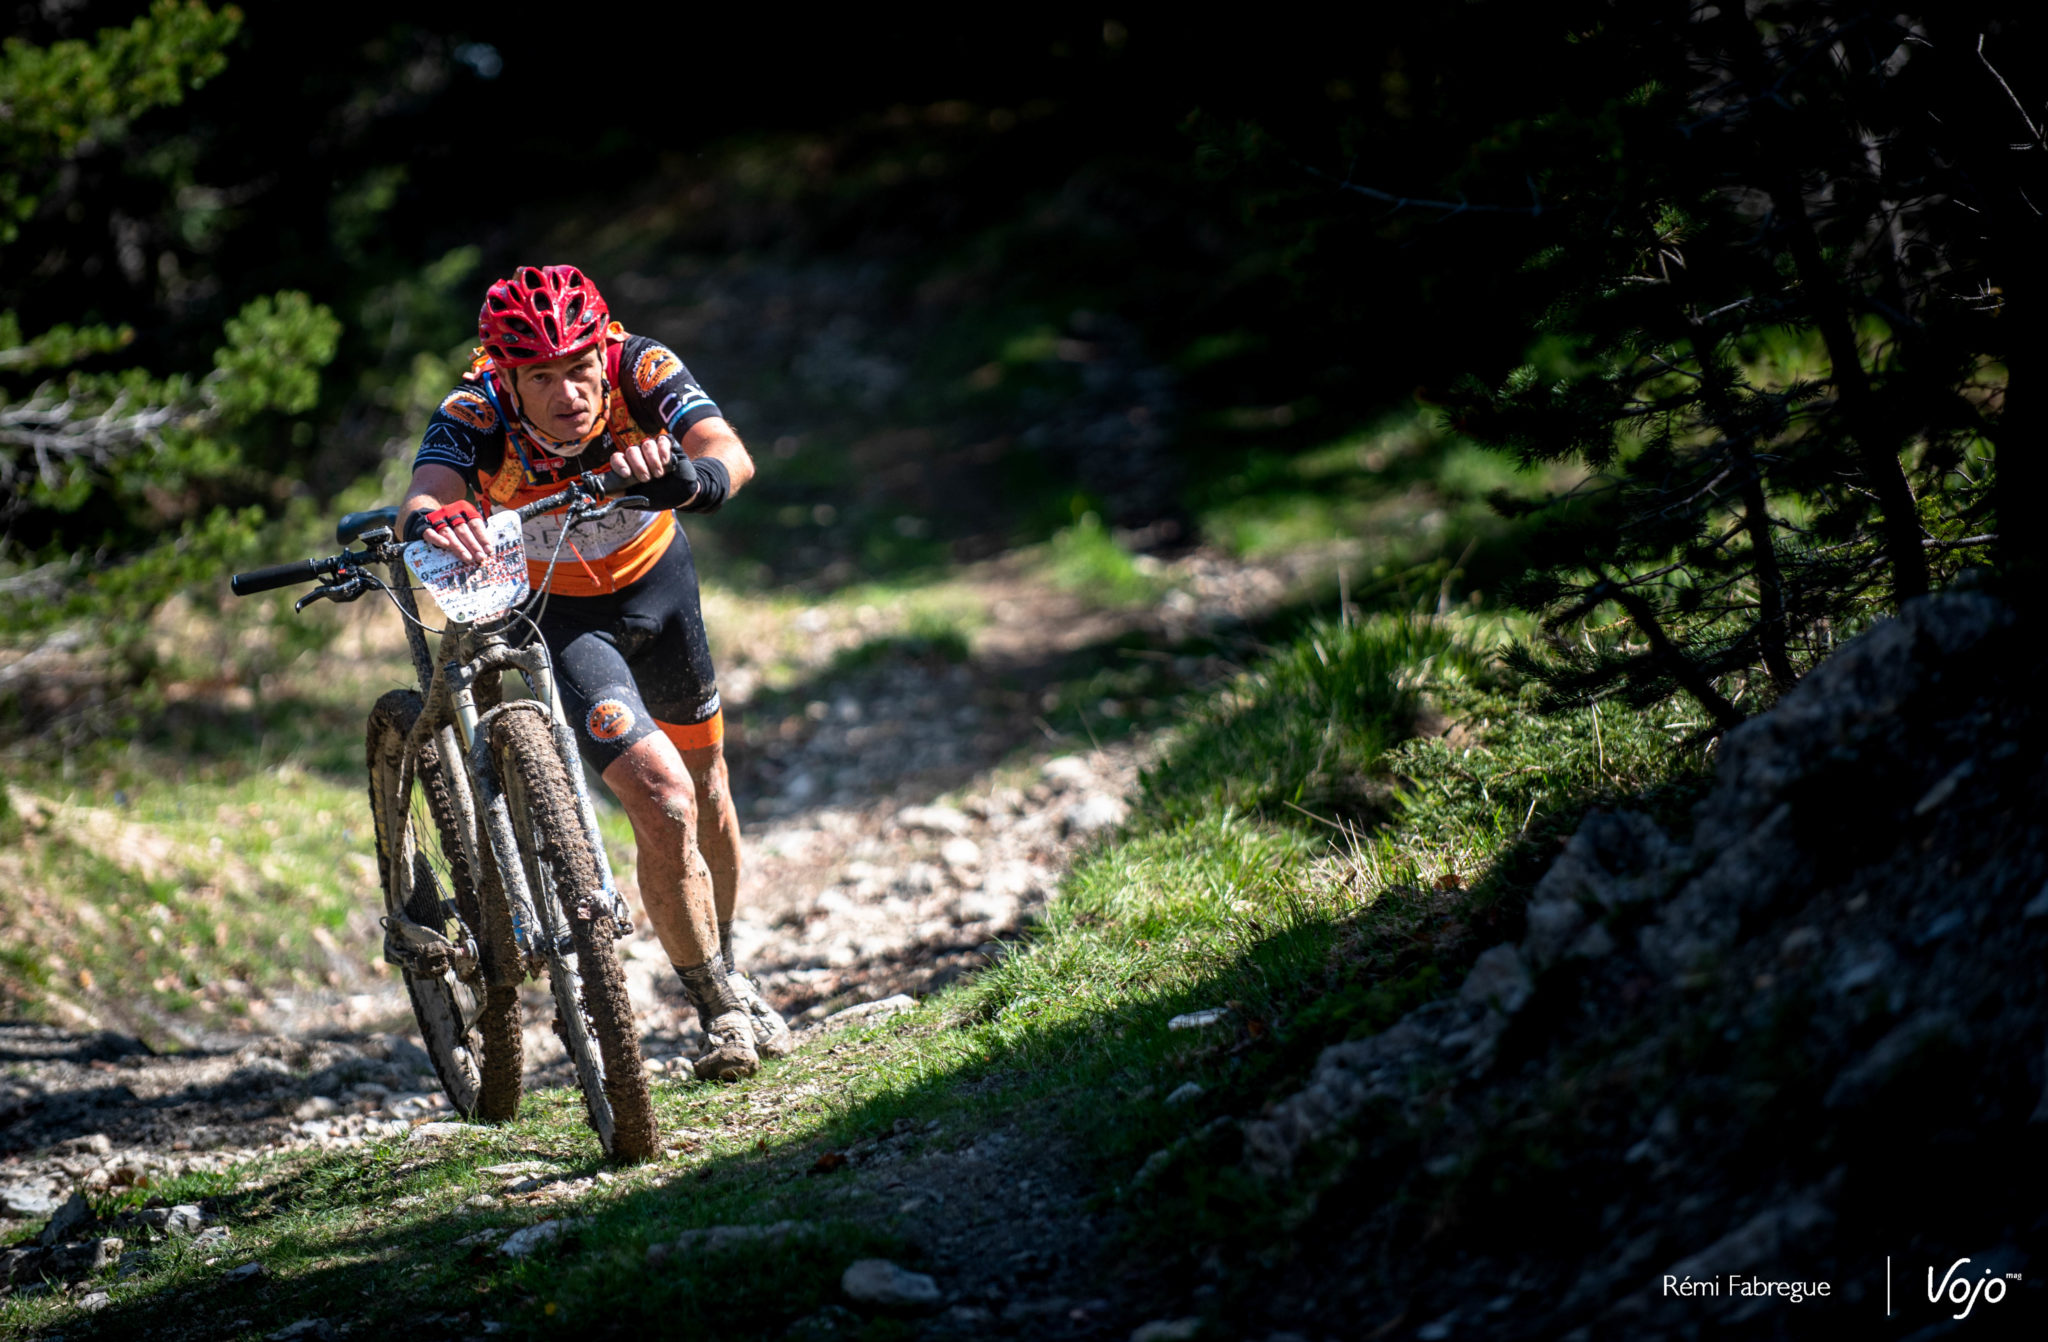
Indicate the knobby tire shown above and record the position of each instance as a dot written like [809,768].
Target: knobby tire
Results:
[551,828]
[486,1084]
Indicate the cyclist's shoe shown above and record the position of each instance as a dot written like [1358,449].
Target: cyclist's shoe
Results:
[728,1027]
[772,1038]
[731,1055]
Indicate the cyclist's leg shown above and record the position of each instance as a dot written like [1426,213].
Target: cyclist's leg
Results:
[621,738]
[671,663]
[702,747]
[674,670]
[624,746]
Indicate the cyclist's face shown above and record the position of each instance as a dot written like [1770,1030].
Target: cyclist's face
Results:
[565,396]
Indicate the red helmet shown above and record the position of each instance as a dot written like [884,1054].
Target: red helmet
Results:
[541,313]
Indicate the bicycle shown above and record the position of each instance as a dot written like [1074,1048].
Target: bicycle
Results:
[488,850]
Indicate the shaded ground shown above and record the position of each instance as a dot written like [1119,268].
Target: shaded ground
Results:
[905,813]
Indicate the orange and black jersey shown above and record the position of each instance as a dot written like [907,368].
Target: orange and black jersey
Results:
[476,433]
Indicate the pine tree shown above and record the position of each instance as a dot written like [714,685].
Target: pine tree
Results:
[76,426]
[1768,356]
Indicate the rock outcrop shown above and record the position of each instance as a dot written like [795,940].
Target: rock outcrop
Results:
[1746,1048]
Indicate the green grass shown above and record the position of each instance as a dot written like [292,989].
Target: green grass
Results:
[1085,558]
[161,889]
[1309,930]
[928,635]
[1400,491]
[1304,730]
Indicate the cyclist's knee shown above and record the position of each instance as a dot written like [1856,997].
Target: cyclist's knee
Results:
[653,785]
[707,767]
[679,807]
[664,790]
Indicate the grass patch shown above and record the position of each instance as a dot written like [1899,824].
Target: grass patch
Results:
[1215,896]
[1305,729]
[1086,558]
[928,635]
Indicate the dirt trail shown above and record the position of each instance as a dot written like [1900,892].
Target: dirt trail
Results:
[861,885]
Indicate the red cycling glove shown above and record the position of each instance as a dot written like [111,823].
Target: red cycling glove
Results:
[462,510]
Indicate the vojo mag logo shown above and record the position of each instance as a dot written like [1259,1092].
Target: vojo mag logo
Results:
[1961,1288]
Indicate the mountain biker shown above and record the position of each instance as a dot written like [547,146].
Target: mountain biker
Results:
[557,389]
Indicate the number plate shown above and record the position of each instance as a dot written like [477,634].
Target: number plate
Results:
[467,593]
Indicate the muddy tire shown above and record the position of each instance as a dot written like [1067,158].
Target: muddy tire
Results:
[469,1023]
[594,1014]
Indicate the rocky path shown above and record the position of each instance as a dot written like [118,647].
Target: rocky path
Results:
[902,821]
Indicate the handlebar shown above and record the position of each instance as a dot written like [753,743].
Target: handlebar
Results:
[277,575]
[590,485]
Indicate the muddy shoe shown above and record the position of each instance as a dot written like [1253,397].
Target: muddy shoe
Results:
[725,1020]
[772,1038]
[731,1055]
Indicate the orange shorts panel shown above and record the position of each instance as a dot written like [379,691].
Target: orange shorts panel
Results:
[695,735]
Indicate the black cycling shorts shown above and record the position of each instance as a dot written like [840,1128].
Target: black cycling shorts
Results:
[634,662]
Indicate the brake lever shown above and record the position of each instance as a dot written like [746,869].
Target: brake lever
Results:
[587,512]
[348,589]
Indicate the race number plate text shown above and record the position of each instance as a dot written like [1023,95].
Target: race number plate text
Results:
[467,593]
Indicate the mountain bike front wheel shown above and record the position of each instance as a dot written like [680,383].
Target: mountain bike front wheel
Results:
[594,1014]
[470,1026]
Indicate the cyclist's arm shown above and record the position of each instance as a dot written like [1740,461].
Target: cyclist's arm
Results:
[435,486]
[714,438]
[707,439]
[659,389]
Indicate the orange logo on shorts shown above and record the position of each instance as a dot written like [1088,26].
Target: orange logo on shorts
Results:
[609,719]
[655,367]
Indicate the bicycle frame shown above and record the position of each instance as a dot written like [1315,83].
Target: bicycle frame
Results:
[473,657]
[561,920]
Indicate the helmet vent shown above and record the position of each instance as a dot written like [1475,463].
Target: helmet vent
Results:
[541,312]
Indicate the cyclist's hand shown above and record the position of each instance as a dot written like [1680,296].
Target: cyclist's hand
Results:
[657,456]
[643,461]
[458,529]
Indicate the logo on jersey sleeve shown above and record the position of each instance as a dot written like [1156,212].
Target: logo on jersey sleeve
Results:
[441,438]
[654,367]
[609,719]
[472,409]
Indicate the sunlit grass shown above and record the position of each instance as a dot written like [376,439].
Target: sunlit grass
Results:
[1085,558]
[1402,489]
[1289,923]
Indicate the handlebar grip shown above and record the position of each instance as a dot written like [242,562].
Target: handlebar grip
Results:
[611,484]
[277,575]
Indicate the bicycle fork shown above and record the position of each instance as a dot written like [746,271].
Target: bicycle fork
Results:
[536,928]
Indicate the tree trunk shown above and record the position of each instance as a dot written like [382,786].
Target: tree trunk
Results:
[1756,520]
[2020,480]
[1877,446]
[1770,579]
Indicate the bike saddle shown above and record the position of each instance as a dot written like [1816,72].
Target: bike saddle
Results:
[355,524]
